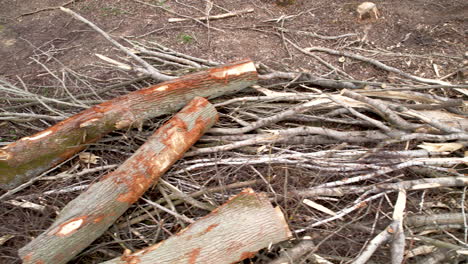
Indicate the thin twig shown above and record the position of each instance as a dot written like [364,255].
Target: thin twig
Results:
[150,70]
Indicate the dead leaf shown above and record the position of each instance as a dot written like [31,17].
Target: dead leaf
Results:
[318,207]
[5,238]
[421,250]
[441,147]
[446,118]
[89,158]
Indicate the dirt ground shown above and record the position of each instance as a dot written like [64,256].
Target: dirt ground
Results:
[407,33]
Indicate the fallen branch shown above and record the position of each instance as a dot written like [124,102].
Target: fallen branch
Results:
[59,142]
[148,69]
[436,219]
[231,233]
[89,215]
[398,242]
[421,184]
[214,17]
[375,243]
[295,253]
[377,64]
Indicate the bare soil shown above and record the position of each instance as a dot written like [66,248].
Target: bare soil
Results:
[413,30]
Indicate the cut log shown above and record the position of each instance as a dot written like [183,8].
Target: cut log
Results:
[90,214]
[30,156]
[231,233]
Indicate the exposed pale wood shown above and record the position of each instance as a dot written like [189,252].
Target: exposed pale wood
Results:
[231,233]
[30,156]
[90,214]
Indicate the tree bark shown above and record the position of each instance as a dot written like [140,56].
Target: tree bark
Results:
[231,233]
[30,156]
[90,214]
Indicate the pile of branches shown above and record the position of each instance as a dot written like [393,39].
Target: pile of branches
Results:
[352,164]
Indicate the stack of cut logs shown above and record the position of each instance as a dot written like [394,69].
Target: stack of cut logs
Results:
[232,232]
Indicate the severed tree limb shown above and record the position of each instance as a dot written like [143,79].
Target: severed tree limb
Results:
[233,232]
[89,215]
[30,156]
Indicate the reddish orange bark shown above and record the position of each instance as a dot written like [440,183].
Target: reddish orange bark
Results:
[90,214]
[231,233]
[30,156]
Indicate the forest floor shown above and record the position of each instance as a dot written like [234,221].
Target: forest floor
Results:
[47,52]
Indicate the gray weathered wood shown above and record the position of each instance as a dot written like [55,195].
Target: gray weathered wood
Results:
[231,233]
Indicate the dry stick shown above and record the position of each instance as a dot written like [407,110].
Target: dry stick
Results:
[46,9]
[165,56]
[431,121]
[231,233]
[344,164]
[11,89]
[383,110]
[150,70]
[33,101]
[421,184]
[269,98]
[374,122]
[174,13]
[295,253]
[356,204]
[327,135]
[164,209]
[214,17]
[282,135]
[377,64]
[445,250]
[269,120]
[90,214]
[436,219]
[406,164]
[144,217]
[398,242]
[57,143]
[187,198]
[393,231]
[308,78]
[378,240]
[315,35]
[182,55]
[328,65]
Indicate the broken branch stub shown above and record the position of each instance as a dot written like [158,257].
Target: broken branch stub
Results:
[231,233]
[90,214]
[30,156]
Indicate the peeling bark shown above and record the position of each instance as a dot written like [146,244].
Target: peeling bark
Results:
[30,156]
[231,233]
[90,214]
